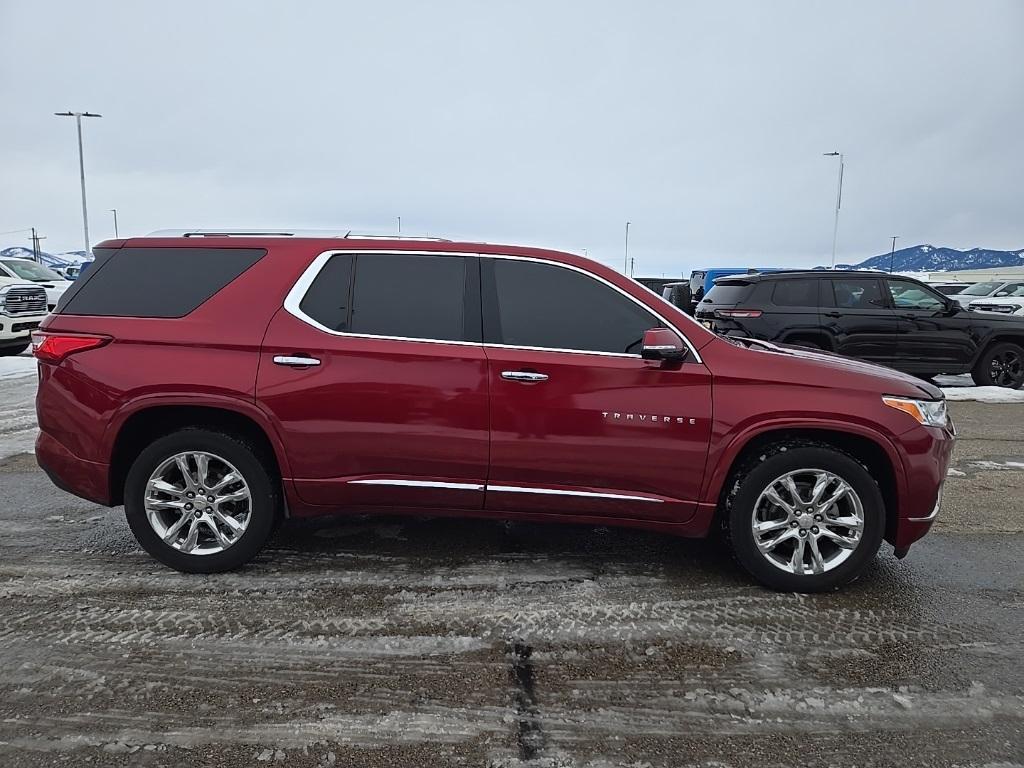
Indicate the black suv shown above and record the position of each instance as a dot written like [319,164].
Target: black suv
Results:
[895,321]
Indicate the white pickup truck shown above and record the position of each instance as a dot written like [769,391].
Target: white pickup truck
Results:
[22,308]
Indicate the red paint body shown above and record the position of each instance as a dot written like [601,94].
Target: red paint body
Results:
[663,436]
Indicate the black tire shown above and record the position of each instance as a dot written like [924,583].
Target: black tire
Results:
[759,473]
[257,472]
[1001,365]
[12,351]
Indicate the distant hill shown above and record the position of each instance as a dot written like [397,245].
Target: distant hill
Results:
[928,258]
[58,260]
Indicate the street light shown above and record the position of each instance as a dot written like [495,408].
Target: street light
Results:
[892,253]
[839,202]
[81,168]
[625,259]
[114,211]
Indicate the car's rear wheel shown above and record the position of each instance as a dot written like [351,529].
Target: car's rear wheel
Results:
[200,501]
[805,519]
[1001,365]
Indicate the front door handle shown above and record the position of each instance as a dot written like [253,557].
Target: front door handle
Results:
[524,376]
[295,361]
[833,314]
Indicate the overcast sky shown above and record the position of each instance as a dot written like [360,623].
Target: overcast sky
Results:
[543,123]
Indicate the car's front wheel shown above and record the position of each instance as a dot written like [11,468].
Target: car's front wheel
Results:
[804,518]
[201,501]
[1001,365]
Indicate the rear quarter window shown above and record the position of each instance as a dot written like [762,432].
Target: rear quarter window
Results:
[155,282]
[795,293]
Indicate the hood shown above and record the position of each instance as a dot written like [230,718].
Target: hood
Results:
[887,381]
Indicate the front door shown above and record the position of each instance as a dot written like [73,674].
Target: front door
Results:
[375,377]
[580,424]
[931,339]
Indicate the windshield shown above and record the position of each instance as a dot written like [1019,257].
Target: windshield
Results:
[29,270]
[980,289]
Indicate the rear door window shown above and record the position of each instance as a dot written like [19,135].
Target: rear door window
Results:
[408,296]
[857,293]
[155,282]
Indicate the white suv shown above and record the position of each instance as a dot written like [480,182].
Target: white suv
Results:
[987,290]
[33,272]
[1008,300]
[22,308]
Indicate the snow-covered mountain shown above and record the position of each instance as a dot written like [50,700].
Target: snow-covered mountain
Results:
[929,258]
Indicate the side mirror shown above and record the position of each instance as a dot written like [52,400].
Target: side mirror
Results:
[662,344]
[952,307]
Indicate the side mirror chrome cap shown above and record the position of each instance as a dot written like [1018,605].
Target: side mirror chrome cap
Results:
[662,344]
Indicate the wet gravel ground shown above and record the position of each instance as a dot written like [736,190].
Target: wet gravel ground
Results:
[413,642]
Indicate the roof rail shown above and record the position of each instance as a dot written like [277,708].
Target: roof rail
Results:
[321,233]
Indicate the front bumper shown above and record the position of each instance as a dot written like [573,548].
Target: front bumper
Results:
[929,452]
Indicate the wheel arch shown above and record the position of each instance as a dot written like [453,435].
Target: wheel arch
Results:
[140,427]
[821,337]
[872,451]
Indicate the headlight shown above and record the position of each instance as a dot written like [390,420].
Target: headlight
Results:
[931,413]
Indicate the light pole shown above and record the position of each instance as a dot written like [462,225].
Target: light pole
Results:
[81,168]
[114,211]
[892,253]
[625,259]
[399,226]
[839,202]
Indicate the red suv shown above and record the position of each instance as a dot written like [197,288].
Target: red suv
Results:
[215,383]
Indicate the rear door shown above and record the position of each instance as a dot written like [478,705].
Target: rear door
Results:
[375,376]
[854,310]
[580,424]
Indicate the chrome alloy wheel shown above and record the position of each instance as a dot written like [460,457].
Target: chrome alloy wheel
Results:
[198,503]
[808,521]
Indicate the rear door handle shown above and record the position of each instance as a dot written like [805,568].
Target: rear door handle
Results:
[295,361]
[524,376]
[833,314]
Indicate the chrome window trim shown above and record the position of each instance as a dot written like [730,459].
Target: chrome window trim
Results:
[298,291]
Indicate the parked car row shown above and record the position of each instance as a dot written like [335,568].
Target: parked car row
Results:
[895,321]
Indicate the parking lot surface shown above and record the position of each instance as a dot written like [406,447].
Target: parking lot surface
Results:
[414,642]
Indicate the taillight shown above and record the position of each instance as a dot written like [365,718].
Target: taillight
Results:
[738,312]
[54,347]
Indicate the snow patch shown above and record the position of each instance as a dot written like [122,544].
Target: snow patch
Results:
[984,394]
[15,367]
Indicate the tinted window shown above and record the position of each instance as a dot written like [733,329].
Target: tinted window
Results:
[329,297]
[796,293]
[908,295]
[155,282]
[857,293]
[415,297]
[727,293]
[540,305]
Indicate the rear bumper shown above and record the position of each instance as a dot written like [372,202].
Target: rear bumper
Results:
[929,453]
[87,479]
